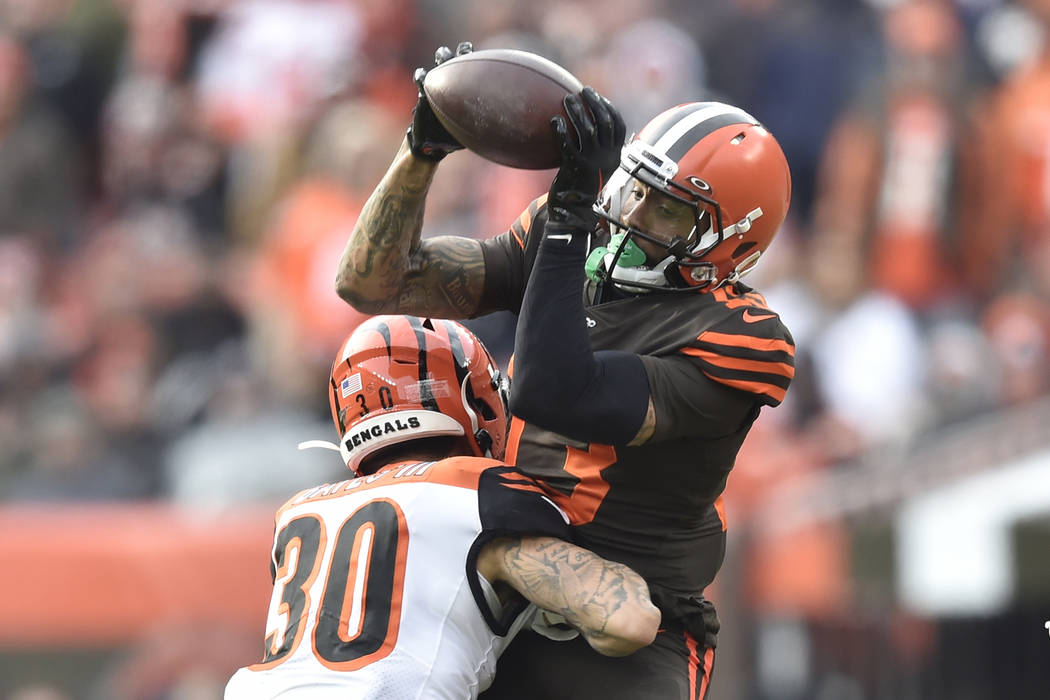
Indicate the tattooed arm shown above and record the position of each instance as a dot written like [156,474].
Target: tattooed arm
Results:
[387,268]
[606,601]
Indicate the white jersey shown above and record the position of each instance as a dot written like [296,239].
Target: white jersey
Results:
[376,590]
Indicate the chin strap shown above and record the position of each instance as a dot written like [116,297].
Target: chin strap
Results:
[318,444]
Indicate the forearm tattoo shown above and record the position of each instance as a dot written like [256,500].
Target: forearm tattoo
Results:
[387,268]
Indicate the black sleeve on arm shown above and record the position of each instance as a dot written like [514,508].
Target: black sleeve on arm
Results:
[560,383]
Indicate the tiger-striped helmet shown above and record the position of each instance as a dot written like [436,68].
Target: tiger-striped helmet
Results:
[399,378]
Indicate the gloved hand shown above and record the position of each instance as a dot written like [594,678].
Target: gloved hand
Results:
[586,161]
[426,136]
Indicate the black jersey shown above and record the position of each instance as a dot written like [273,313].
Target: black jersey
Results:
[712,361]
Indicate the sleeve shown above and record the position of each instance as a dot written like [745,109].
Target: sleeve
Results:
[716,383]
[509,257]
[688,403]
[510,503]
[750,350]
[560,383]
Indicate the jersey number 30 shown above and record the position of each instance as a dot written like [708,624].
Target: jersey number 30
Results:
[357,619]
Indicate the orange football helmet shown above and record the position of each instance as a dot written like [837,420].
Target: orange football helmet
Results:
[718,159]
[399,378]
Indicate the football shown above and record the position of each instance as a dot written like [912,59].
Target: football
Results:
[499,102]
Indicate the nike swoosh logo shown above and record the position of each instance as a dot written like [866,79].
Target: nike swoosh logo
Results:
[560,237]
[749,318]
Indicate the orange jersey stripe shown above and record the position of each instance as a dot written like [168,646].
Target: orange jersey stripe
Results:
[720,508]
[733,300]
[525,220]
[764,366]
[747,341]
[694,664]
[709,663]
[517,425]
[774,392]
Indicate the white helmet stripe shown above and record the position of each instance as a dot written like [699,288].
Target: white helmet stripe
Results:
[688,123]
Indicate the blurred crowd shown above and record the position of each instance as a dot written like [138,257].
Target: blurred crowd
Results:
[178,178]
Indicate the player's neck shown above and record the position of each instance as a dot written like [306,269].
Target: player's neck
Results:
[426,450]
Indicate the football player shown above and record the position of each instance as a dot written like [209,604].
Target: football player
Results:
[409,579]
[641,359]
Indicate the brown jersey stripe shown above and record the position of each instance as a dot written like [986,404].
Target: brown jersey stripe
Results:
[775,356]
[725,373]
[747,341]
[748,365]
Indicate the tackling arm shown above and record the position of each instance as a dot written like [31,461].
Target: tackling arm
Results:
[606,601]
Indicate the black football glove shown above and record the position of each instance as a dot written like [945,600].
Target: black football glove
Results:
[586,161]
[427,137]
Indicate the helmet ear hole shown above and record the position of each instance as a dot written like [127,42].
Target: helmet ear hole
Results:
[480,406]
[743,248]
[485,410]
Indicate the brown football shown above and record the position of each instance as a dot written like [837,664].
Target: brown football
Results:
[499,102]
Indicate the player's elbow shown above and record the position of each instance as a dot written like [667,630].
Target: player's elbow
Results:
[628,631]
[358,295]
[527,405]
[545,401]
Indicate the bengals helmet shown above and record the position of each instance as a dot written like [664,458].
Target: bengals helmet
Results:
[721,162]
[399,378]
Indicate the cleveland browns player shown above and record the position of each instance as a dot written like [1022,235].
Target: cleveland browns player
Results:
[410,579]
[641,359]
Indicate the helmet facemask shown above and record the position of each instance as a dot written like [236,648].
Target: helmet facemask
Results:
[729,171]
[624,263]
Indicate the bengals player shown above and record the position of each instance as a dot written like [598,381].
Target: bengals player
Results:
[641,359]
[410,579]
